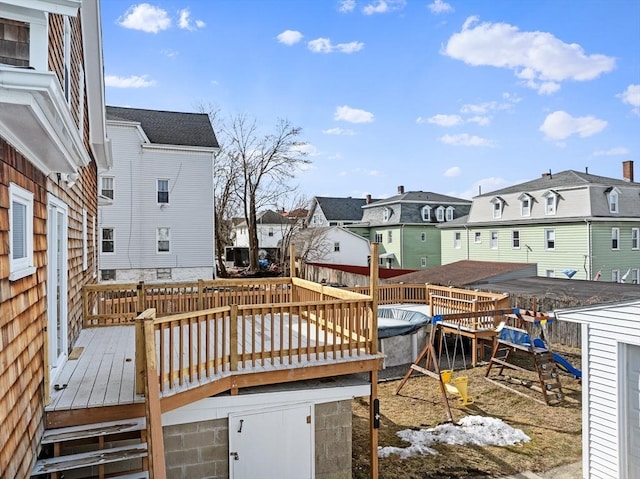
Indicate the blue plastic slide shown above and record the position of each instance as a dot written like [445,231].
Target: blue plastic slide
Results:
[562,363]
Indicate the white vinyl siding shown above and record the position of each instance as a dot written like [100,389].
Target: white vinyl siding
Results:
[20,233]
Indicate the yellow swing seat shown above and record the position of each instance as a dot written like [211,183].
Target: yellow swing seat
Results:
[457,387]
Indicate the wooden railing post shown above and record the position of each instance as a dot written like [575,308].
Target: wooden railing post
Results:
[153,412]
[140,297]
[85,306]
[292,260]
[140,355]
[200,300]
[233,337]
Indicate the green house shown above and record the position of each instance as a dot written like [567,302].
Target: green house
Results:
[571,224]
[404,225]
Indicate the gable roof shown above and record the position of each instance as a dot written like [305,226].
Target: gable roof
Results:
[419,197]
[341,209]
[169,127]
[564,179]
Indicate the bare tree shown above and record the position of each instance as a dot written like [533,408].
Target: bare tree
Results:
[294,209]
[265,165]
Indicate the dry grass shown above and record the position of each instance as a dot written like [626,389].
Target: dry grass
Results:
[555,431]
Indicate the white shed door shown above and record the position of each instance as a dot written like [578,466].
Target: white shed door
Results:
[272,443]
[633,411]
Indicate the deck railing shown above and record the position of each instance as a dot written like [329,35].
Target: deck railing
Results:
[396,293]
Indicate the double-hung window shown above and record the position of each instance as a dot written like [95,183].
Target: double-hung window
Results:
[440,213]
[106,186]
[615,238]
[20,232]
[635,238]
[163,192]
[550,199]
[426,213]
[449,213]
[163,238]
[515,239]
[336,247]
[378,238]
[389,236]
[613,201]
[549,239]
[108,241]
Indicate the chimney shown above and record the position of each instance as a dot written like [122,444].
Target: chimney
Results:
[401,190]
[368,200]
[627,170]
[547,174]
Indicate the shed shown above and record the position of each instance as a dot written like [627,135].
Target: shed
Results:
[610,389]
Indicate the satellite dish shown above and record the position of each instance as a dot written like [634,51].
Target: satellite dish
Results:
[569,273]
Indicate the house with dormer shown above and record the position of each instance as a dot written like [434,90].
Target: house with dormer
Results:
[571,224]
[332,211]
[404,226]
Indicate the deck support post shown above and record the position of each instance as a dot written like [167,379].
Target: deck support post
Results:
[373,399]
[374,419]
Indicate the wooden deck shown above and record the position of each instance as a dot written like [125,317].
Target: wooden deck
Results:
[100,384]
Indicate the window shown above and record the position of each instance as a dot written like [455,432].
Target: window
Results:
[615,275]
[336,247]
[163,191]
[107,274]
[525,205]
[550,239]
[386,214]
[550,203]
[423,236]
[493,241]
[389,236]
[20,233]
[550,273]
[378,238]
[449,213]
[108,240]
[270,232]
[457,239]
[423,262]
[106,188]
[615,238]
[635,276]
[163,237]
[426,213]
[477,237]
[163,273]
[613,201]
[497,207]
[440,213]
[515,239]
[635,238]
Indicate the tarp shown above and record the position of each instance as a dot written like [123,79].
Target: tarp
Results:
[396,322]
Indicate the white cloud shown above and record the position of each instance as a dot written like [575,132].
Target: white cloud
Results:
[631,96]
[145,17]
[559,125]
[306,149]
[170,53]
[383,6]
[352,115]
[133,81]
[324,45]
[442,120]
[453,172]
[364,171]
[612,152]
[464,139]
[488,106]
[185,22]
[440,7]
[289,37]
[347,6]
[539,59]
[479,120]
[339,131]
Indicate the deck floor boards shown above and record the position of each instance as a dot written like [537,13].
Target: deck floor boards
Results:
[104,373]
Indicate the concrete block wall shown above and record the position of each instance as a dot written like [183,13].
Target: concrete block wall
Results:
[333,440]
[197,450]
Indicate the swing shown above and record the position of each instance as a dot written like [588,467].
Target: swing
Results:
[456,386]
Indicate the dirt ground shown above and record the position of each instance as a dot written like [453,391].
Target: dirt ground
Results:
[555,431]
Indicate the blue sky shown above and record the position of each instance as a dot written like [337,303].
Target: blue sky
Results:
[436,96]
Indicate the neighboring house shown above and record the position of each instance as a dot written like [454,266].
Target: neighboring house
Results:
[52,142]
[565,222]
[332,245]
[156,213]
[330,211]
[405,226]
[610,388]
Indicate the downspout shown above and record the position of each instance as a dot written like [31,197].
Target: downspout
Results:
[588,270]
[466,228]
[402,245]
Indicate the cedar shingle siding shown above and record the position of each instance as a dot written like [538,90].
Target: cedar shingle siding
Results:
[14,43]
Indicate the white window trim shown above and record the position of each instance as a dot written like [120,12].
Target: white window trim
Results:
[477,237]
[615,275]
[497,204]
[513,232]
[66,74]
[426,213]
[440,213]
[457,239]
[423,236]
[613,198]
[493,244]
[635,275]
[158,239]
[525,198]
[615,236]
[85,241]
[102,240]
[21,267]
[423,262]
[550,209]
[449,213]
[336,246]
[635,239]
[390,236]
[158,180]
[386,214]
[550,273]
[113,186]
[546,239]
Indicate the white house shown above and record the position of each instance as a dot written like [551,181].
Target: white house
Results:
[156,203]
[272,227]
[332,245]
[610,388]
[332,211]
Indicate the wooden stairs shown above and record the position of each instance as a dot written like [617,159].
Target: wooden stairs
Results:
[115,449]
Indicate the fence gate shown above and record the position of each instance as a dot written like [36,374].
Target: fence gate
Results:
[272,443]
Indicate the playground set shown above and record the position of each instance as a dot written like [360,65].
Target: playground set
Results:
[509,334]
